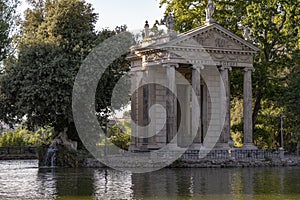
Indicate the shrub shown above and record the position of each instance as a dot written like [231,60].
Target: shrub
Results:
[24,137]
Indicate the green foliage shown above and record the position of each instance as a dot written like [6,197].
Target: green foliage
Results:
[45,136]
[274,25]
[267,131]
[24,137]
[190,14]
[41,87]
[236,122]
[291,104]
[7,26]
[111,76]
[56,37]
[119,135]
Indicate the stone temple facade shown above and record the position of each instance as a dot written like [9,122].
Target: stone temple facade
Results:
[181,88]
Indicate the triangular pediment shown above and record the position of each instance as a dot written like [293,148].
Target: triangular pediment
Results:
[212,37]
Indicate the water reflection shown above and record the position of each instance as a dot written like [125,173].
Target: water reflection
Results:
[110,184]
[233,183]
[46,183]
[187,183]
[22,179]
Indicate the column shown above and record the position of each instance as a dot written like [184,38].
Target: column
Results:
[248,132]
[196,105]
[204,112]
[133,111]
[184,136]
[140,107]
[145,112]
[171,102]
[225,134]
[152,114]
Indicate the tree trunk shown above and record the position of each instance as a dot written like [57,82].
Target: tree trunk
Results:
[298,145]
[257,107]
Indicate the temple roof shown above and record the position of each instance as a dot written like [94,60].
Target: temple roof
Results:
[211,37]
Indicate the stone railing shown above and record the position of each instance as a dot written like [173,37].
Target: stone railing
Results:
[235,154]
[18,153]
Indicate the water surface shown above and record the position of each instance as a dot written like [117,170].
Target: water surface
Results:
[24,180]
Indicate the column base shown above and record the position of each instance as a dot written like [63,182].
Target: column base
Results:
[133,148]
[144,148]
[281,153]
[153,147]
[195,146]
[249,146]
[174,147]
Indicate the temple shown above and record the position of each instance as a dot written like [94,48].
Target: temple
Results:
[181,88]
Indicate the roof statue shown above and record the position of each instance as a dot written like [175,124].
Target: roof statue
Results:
[210,9]
[169,22]
[147,31]
[247,33]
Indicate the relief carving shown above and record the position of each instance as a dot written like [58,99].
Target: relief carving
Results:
[232,58]
[219,56]
[245,58]
[220,42]
[215,39]
[204,39]
[191,42]
[200,40]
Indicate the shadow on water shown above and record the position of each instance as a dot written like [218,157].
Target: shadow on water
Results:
[67,181]
[22,179]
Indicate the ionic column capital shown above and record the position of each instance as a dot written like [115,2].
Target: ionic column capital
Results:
[223,68]
[166,65]
[247,69]
[198,67]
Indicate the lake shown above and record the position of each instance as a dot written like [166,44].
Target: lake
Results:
[24,180]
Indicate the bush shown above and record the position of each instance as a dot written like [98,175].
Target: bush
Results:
[119,135]
[24,137]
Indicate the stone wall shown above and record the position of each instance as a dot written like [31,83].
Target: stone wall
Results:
[216,159]
[228,163]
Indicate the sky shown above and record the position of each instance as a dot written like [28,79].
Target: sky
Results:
[114,13]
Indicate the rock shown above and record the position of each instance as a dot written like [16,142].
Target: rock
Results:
[92,163]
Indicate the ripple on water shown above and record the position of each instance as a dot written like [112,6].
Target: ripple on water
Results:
[23,179]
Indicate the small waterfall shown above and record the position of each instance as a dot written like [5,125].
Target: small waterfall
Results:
[51,155]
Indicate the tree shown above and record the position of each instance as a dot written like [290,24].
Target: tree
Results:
[274,26]
[56,37]
[106,86]
[291,103]
[191,14]
[7,24]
